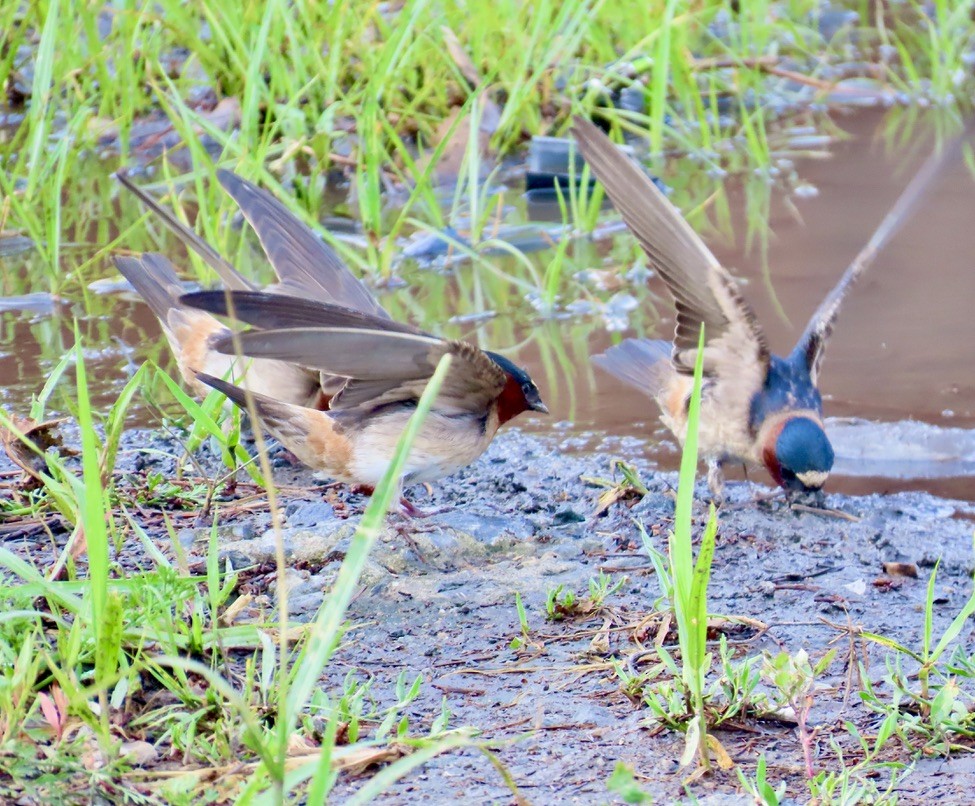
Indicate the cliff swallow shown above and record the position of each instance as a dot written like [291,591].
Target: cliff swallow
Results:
[755,406]
[330,374]
[386,366]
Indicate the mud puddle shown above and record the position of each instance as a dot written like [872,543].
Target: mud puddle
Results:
[901,355]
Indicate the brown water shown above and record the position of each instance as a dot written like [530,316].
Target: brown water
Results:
[903,348]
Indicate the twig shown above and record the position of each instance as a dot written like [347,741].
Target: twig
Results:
[722,62]
[828,513]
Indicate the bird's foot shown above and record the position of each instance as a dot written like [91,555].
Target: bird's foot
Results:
[406,511]
[406,529]
[410,510]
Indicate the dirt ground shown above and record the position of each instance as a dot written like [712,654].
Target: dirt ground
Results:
[520,520]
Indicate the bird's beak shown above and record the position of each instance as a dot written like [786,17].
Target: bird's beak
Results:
[540,407]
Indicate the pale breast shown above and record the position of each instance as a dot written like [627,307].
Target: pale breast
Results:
[444,445]
[723,429]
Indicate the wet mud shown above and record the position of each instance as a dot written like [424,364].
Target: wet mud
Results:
[441,604]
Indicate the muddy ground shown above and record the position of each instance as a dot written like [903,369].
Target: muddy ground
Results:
[520,520]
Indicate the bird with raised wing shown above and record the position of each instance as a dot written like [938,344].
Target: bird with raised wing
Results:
[329,373]
[386,367]
[756,407]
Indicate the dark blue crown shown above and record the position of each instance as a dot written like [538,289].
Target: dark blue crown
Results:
[802,447]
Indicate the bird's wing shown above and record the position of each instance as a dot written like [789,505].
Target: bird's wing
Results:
[644,364]
[382,366]
[270,311]
[228,274]
[704,291]
[304,263]
[812,343]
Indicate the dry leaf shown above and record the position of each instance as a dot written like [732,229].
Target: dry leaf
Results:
[900,569]
[600,641]
[139,754]
[42,435]
[721,756]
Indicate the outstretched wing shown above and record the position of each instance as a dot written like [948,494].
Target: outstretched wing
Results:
[705,293]
[812,343]
[270,311]
[304,263]
[228,274]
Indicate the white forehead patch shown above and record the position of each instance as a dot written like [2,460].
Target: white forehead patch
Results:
[813,479]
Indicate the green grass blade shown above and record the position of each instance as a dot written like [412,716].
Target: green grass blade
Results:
[93,509]
[326,632]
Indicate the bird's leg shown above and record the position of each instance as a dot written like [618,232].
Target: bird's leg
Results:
[410,510]
[405,509]
[716,481]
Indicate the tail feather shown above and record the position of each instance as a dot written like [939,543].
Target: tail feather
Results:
[155,280]
[276,414]
[311,435]
[234,393]
[644,364]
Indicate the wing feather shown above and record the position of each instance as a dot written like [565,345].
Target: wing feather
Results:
[705,293]
[304,263]
[270,311]
[381,366]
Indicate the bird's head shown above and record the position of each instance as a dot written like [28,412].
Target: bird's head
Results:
[798,454]
[519,394]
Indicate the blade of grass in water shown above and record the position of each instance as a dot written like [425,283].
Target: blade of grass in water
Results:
[660,76]
[42,91]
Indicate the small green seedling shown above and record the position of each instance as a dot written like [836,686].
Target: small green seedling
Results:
[559,603]
[523,640]
[628,486]
[624,785]
[759,787]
